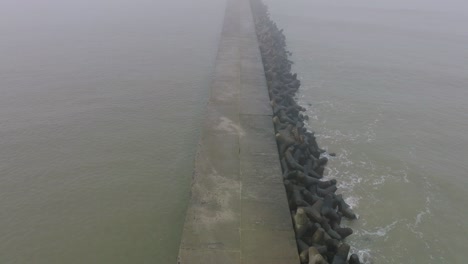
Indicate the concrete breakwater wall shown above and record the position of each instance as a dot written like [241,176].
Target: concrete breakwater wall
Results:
[315,207]
[238,211]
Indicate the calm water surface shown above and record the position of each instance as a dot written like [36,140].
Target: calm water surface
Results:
[387,83]
[100,108]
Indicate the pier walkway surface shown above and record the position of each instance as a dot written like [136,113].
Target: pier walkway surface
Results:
[238,211]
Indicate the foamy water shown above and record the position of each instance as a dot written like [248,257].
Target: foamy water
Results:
[384,84]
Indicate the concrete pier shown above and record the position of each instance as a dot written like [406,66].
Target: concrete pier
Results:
[238,212]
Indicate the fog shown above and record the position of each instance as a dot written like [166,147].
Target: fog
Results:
[101,103]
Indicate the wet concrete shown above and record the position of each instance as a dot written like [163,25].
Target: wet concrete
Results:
[238,212]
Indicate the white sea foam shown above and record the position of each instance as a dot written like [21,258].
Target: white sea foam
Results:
[420,215]
[419,218]
[380,180]
[380,231]
[348,181]
[352,201]
[365,256]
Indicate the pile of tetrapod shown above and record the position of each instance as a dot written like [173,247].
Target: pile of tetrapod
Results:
[315,208]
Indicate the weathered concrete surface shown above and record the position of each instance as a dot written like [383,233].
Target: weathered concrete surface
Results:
[238,212]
